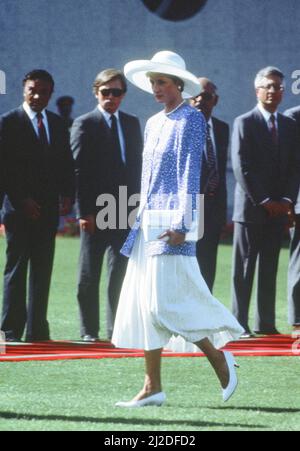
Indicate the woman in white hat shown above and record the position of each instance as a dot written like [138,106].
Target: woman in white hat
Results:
[164,293]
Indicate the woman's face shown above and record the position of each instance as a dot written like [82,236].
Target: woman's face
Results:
[165,89]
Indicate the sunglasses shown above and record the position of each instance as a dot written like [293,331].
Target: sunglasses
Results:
[115,92]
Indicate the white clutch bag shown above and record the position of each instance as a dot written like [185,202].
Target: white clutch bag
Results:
[156,222]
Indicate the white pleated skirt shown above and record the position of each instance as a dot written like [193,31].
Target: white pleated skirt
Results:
[165,303]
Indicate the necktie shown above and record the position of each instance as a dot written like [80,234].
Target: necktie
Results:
[273,130]
[213,176]
[42,131]
[115,140]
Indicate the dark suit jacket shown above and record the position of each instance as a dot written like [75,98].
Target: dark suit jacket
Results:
[29,172]
[259,173]
[1,183]
[294,113]
[219,202]
[96,170]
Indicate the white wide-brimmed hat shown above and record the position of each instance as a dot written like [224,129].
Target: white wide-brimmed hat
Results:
[165,62]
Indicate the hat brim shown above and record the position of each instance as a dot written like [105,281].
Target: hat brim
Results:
[136,73]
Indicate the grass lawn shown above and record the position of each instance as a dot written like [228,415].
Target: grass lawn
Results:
[80,395]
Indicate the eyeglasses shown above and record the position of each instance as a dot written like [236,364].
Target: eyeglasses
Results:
[115,92]
[276,88]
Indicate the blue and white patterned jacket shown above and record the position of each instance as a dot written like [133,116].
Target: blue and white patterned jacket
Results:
[172,158]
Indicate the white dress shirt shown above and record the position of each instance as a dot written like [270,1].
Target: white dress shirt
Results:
[107,117]
[32,116]
[267,116]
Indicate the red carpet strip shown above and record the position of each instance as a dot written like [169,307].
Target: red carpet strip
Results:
[279,345]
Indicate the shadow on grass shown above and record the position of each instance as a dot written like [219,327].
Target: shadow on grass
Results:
[126,421]
[258,409]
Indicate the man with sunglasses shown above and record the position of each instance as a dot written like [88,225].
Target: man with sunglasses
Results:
[213,181]
[107,147]
[266,164]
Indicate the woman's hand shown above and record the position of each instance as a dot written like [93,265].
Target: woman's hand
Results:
[173,238]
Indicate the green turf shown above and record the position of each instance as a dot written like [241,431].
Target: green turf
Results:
[80,395]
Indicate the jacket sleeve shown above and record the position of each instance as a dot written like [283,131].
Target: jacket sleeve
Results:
[223,192]
[293,181]
[67,180]
[14,173]
[1,171]
[243,165]
[140,148]
[85,198]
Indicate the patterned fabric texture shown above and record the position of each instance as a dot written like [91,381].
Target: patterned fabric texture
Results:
[172,159]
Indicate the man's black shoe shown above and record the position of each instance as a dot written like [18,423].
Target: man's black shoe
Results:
[13,340]
[37,339]
[267,332]
[90,339]
[247,334]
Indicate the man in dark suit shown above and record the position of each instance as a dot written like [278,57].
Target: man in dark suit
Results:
[265,157]
[39,174]
[107,147]
[1,184]
[213,181]
[294,265]
[2,172]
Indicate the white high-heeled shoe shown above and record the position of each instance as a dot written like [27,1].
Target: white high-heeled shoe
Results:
[233,380]
[154,400]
